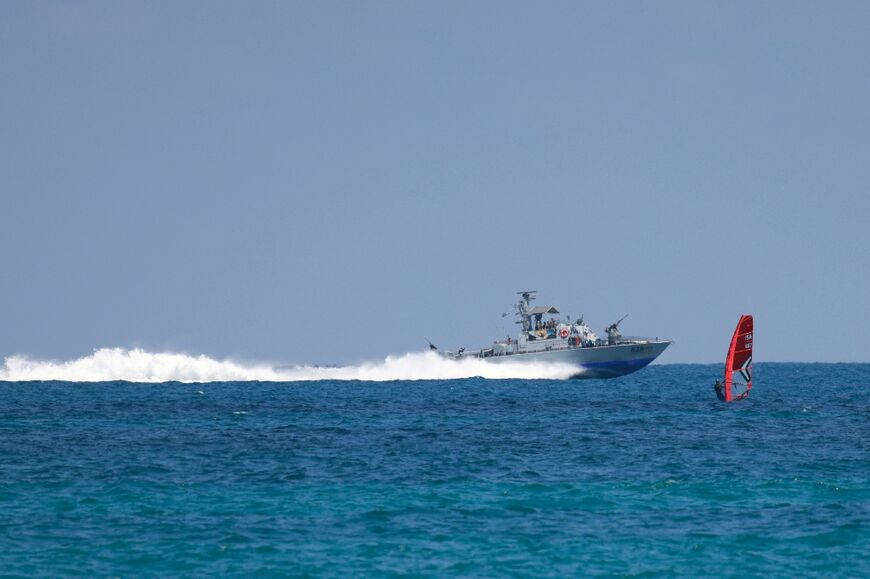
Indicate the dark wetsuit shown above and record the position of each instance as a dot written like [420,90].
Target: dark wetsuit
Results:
[719,387]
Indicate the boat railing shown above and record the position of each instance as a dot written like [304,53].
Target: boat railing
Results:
[642,339]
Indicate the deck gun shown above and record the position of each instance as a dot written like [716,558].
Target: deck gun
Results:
[613,334]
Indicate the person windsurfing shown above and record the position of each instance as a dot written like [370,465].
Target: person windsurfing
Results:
[719,387]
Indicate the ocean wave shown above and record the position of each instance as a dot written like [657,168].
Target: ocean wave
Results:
[138,365]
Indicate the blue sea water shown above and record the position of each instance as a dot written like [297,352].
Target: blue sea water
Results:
[644,475]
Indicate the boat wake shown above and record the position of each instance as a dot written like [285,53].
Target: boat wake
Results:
[137,365]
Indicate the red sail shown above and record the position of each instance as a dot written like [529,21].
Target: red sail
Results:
[738,364]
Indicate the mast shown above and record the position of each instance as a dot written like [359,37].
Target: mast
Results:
[523,309]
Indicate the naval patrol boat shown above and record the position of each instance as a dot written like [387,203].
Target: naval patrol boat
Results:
[556,340]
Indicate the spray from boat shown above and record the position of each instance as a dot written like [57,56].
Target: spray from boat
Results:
[138,365]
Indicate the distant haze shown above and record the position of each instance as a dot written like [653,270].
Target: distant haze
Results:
[329,183]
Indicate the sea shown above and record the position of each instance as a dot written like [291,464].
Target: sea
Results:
[645,475]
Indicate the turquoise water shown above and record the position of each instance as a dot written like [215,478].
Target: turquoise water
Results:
[643,475]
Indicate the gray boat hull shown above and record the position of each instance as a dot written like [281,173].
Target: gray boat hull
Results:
[594,362]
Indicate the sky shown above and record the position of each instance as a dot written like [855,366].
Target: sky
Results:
[333,182]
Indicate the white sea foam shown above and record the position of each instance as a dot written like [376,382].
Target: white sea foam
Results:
[137,365]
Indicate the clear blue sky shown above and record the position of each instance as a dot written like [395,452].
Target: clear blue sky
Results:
[328,182]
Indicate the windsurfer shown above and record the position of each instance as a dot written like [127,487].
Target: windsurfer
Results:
[719,387]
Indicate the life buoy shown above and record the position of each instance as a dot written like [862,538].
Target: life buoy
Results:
[564,332]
